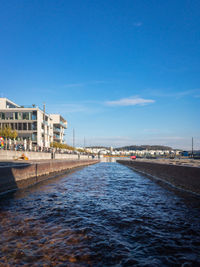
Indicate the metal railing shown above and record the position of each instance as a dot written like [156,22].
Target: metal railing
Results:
[18,146]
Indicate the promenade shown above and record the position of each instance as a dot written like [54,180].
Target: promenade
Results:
[180,162]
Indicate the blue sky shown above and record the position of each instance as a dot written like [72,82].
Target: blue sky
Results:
[121,72]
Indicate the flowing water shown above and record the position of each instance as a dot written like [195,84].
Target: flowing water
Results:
[101,215]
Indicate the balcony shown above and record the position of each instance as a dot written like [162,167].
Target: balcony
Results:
[56,137]
[26,131]
[58,130]
[46,123]
[64,124]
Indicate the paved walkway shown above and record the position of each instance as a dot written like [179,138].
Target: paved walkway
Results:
[183,162]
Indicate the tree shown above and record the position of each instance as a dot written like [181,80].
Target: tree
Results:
[14,134]
[8,133]
[61,146]
[1,132]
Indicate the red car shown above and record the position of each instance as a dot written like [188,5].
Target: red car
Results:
[133,157]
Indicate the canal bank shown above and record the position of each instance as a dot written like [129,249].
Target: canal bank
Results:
[16,175]
[182,176]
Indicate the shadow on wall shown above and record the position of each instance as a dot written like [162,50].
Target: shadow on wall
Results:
[14,175]
[7,175]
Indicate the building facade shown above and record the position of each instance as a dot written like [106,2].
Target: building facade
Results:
[59,126]
[32,123]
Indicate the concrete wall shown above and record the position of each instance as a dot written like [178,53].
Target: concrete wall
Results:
[12,155]
[71,156]
[19,175]
[66,156]
[183,177]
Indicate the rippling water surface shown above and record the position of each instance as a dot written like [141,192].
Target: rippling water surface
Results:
[102,215]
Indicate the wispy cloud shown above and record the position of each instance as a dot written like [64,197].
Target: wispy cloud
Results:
[197,96]
[97,82]
[137,24]
[71,85]
[174,69]
[82,84]
[188,93]
[178,94]
[67,108]
[131,101]
[152,131]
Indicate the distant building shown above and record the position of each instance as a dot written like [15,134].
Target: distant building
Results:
[32,123]
[185,153]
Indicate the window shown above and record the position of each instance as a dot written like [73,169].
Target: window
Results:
[2,116]
[34,137]
[24,126]
[34,115]
[9,116]
[20,126]
[25,115]
[34,126]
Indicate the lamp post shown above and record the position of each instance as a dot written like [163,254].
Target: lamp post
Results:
[44,124]
[73,137]
[192,149]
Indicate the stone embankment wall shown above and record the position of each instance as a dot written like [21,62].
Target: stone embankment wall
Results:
[183,177]
[71,156]
[19,175]
[13,155]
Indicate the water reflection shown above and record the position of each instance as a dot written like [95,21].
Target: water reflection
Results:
[102,215]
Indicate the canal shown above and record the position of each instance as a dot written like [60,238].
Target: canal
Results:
[101,215]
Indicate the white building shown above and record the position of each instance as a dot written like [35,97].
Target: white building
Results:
[32,123]
[59,126]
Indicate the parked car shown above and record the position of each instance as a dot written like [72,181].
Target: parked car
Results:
[133,157]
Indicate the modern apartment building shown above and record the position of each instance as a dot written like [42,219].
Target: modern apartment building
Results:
[32,123]
[59,125]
